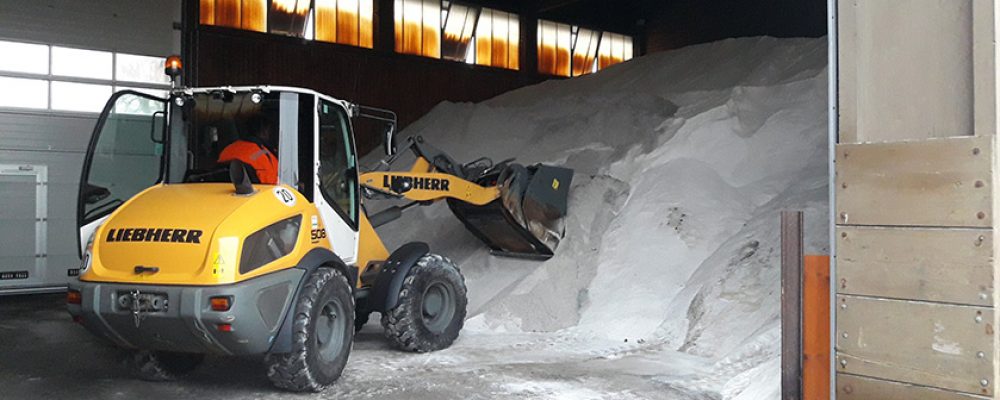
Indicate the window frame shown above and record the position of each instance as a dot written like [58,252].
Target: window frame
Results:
[354,222]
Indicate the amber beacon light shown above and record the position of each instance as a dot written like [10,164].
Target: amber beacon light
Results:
[172,67]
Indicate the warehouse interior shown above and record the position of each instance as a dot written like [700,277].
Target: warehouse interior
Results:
[689,125]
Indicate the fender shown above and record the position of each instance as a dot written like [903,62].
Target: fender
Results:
[315,258]
[389,282]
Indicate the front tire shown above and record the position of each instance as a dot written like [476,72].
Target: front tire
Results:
[162,366]
[431,308]
[322,335]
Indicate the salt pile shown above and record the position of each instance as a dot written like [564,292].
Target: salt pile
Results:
[683,160]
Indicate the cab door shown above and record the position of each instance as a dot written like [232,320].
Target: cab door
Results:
[336,194]
[125,156]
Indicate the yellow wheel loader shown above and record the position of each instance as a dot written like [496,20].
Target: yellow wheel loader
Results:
[185,252]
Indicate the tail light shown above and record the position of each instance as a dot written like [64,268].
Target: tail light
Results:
[221,303]
[224,327]
[74,297]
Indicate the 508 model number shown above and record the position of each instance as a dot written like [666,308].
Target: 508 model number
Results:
[318,234]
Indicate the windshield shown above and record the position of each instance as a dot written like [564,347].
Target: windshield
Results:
[211,129]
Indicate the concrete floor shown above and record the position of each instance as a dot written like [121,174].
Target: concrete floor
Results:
[44,355]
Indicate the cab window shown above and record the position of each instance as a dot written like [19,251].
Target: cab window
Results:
[125,157]
[220,126]
[337,162]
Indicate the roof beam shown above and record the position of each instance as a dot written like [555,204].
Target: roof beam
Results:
[549,5]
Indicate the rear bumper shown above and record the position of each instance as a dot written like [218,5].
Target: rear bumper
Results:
[188,323]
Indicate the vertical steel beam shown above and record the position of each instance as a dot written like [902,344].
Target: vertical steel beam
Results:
[791,304]
[833,130]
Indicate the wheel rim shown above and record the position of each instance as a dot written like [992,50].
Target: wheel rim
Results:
[438,306]
[330,327]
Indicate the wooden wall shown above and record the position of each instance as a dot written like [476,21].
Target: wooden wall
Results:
[409,85]
[916,178]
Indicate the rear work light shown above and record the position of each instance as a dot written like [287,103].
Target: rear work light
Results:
[221,303]
[74,297]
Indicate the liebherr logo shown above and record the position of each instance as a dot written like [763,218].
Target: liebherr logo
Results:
[154,235]
[402,184]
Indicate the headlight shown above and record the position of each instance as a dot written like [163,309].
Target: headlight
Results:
[270,243]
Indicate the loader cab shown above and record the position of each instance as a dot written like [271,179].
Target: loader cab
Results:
[142,140]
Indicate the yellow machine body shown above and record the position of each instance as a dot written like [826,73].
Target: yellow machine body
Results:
[194,233]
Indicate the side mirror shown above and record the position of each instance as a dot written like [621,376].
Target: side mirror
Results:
[389,141]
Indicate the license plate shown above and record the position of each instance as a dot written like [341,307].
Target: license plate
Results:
[142,302]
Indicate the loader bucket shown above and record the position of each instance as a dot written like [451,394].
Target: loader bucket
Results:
[526,221]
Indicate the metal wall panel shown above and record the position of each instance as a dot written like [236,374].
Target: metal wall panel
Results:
[129,26]
[58,140]
[63,177]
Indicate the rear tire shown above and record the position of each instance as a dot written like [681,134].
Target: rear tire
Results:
[322,335]
[161,366]
[431,308]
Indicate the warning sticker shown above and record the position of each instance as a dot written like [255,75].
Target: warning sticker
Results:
[223,261]
[285,196]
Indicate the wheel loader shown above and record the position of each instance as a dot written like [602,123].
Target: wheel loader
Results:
[187,253]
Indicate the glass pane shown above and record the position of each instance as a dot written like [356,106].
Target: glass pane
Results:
[207,14]
[455,42]
[412,22]
[125,160]
[432,29]
[484,38]
[24,93]
[133,68]
[615,48]
[336,161]
[628,48]
[311,26]
[514,40]
[68,96]
[347,22]
[397,21]
[366,9]
[553,48]
[326,20]
[254,15]
[81,63]
[288,17]
[585,51]
[219,127]
[227,13]
[24,57]
[500,31]
[418,27]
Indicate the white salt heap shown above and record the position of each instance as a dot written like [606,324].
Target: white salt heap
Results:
[683,160]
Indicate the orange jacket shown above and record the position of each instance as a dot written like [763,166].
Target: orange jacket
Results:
[255,155]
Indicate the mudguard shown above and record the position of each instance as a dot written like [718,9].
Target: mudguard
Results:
[314,259]
[388,283]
